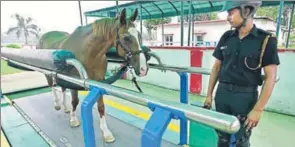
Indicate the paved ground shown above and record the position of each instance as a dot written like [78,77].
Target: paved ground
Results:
[274,130]
[23,80]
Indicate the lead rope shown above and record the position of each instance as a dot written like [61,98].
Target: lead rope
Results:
[261,55]
[134,81]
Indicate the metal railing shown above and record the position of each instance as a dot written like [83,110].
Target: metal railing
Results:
[219,121]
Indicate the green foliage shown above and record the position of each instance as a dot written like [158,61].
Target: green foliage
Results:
[273,11]
[201,17]
[151,24]
[13,46]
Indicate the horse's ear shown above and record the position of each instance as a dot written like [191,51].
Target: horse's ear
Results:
[123,17]
[134,16]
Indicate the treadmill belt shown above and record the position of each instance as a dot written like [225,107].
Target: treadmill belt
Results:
[55,124]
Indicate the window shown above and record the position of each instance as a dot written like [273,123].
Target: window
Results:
[168,39]
[199,39]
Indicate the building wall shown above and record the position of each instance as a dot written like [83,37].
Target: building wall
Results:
[213,30]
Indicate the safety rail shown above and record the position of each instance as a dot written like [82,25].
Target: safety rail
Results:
[165,109]
[183,73]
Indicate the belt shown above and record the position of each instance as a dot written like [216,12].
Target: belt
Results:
[239,88]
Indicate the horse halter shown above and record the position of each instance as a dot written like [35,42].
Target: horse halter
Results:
[128,52]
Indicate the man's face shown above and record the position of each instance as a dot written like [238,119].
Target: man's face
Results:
[234,17]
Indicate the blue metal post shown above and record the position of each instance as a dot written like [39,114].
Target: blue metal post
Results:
[183,99]
[87,117]
[155,128]
[279,18]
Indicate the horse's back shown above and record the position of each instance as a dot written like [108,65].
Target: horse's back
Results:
[53,40]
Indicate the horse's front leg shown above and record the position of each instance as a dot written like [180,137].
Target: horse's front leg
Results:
[107,134]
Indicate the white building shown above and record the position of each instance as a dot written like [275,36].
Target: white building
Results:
[206,33]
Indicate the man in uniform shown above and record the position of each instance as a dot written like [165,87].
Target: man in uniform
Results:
[240,55]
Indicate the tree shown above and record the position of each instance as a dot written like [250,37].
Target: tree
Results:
[24,26]
[151,24]
[200,17]
[273,11]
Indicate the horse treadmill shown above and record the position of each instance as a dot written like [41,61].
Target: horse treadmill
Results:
[55,125]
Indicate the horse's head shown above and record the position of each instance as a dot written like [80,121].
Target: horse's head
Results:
[127,42]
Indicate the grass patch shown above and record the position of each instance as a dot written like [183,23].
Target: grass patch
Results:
[5,69]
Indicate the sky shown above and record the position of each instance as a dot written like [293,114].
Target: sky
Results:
[50,15]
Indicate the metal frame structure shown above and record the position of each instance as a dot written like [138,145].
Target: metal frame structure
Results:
[164,109]
[157,9]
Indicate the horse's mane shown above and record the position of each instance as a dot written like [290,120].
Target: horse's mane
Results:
[107,26]
[104,26]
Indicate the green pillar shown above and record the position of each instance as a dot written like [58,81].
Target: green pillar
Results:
[290,25]
[193,29]
[181,29]
[163,36]
[279,18]
[141,24]
[189,26]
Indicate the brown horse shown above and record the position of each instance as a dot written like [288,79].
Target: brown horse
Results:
[90,45]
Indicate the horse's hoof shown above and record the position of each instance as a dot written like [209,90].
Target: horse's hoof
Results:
[67,110]
[56,107]
[75,123]
[109,139]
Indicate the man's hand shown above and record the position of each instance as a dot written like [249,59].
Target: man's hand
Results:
[252,119]
[208,102]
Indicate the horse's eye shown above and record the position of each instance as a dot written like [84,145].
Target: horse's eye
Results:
[127,38]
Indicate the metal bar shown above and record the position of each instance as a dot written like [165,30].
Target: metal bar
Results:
[194,70]
[79,2]
[279,18]
[80,68]
[193,29]
[189,25]
[181,27]
[211,4]
[86,21]
[141,23]
[158,8]
[147,12]
[163,36]
[177,12]
[290,25]
[219,121]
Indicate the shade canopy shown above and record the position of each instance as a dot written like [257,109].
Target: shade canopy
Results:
[162,9]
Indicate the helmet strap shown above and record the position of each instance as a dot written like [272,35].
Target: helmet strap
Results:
[242,9]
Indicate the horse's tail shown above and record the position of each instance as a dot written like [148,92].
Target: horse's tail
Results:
[52,40]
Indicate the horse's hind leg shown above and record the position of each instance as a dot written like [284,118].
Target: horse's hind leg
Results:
[56,100]
[64,101]
[74,121]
